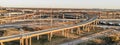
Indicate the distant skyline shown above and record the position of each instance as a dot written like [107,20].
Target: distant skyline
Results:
[107,4]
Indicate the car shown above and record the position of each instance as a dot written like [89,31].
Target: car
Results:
[117,24]
[110,23]
[103,22]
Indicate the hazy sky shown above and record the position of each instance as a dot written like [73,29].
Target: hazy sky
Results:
[114,4]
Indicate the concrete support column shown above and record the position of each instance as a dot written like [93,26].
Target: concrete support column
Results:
[93,27]
[50,36]
[64,33]
[95,23]
[26,41]
[38,37]
[71,31]
[82,27]
[88,28]
[1,43]
[21,41]
[67,31]
[78,30]
[85,28]
[30,41]
[98,22]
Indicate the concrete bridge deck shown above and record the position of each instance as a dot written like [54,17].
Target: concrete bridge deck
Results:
[32,34]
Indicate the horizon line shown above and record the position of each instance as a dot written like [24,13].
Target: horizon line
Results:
[55,7]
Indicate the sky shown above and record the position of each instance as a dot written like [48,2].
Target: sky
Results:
[107,4]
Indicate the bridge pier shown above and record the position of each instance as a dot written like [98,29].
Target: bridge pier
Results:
[38,37]
[1,43]
[97,22]
[67,31]
[83,28]
[91,27]
[21,41]
[78,30]
[30,41]
[64,33]
[26,41]
[71,31]
[88,30]
[50,36]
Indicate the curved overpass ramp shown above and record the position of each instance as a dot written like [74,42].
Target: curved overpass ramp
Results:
[35,33]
